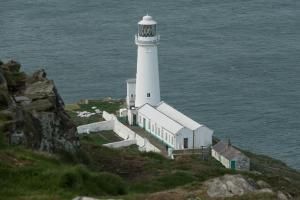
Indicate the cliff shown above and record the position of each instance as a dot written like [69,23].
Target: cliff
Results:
[32,112]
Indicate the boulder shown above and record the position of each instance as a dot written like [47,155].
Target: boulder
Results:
[228,186]
[281,196]
[40,90]
[262,184]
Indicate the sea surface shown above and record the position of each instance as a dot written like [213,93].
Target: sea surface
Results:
[232,65]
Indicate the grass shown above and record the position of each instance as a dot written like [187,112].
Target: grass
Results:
[100,138]
[110,106]
[27,174]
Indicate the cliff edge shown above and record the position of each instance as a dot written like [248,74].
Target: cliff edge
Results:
[32,112]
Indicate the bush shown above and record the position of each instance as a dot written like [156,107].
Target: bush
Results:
[81,179]
[110,183]
[70,179]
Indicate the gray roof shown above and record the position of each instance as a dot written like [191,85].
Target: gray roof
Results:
[226,150]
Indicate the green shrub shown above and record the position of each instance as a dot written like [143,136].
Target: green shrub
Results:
[110,183]
[70,179]
[79,178]
[154,156]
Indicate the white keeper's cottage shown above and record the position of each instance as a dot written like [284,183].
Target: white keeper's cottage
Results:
[144,106]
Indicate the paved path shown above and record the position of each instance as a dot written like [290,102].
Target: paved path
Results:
[152,139]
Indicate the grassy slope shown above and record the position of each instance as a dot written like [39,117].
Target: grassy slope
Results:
[98,171]
[26,174]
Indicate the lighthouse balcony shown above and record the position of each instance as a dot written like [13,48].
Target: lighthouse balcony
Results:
[147,40]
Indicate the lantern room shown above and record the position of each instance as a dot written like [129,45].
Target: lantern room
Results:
[147,27]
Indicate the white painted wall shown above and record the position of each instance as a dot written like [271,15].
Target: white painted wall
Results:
[95,127]
[124,143]
[127,134]
[130,98]
[224,161]
[203,137]
[157,130]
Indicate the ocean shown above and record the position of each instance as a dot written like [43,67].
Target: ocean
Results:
[232,65]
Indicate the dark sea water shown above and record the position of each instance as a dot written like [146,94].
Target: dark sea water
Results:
[233,65]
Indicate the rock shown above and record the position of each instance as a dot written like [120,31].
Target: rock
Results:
[39,120]
[15,80]
[40,90]
[40,105]
[262,184]
[39,75]
[11,66]
[3,83]
[281,196]
[265,190]
[228,185]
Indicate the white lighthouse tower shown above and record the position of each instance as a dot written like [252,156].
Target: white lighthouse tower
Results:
[147,76]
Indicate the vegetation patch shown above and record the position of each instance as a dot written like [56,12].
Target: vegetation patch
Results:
[108,105]
[100,138]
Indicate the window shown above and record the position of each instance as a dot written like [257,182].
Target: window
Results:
[152,128]
[147,30]
[172,140]
[158,131]
[149,125]
[140,119]
[131,95]
[148,94]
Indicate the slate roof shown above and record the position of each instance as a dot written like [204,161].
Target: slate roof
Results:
[227,150]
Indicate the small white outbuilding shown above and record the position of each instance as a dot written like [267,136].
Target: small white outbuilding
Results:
[229,156]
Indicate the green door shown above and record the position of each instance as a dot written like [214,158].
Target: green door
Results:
[232,166]
[144,123]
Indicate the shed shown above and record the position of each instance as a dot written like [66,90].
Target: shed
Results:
[229,156]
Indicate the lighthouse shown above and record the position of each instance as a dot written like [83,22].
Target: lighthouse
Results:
[147,75]
[145,108]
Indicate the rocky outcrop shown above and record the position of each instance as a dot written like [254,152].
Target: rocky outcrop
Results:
[32,112]
[232,185]
[228,185]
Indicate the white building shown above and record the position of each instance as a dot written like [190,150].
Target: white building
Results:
[229,156]
[144,106]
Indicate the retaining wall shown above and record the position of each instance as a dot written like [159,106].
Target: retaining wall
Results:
[127,134]
[95,127]
[124,143]
[112,123]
